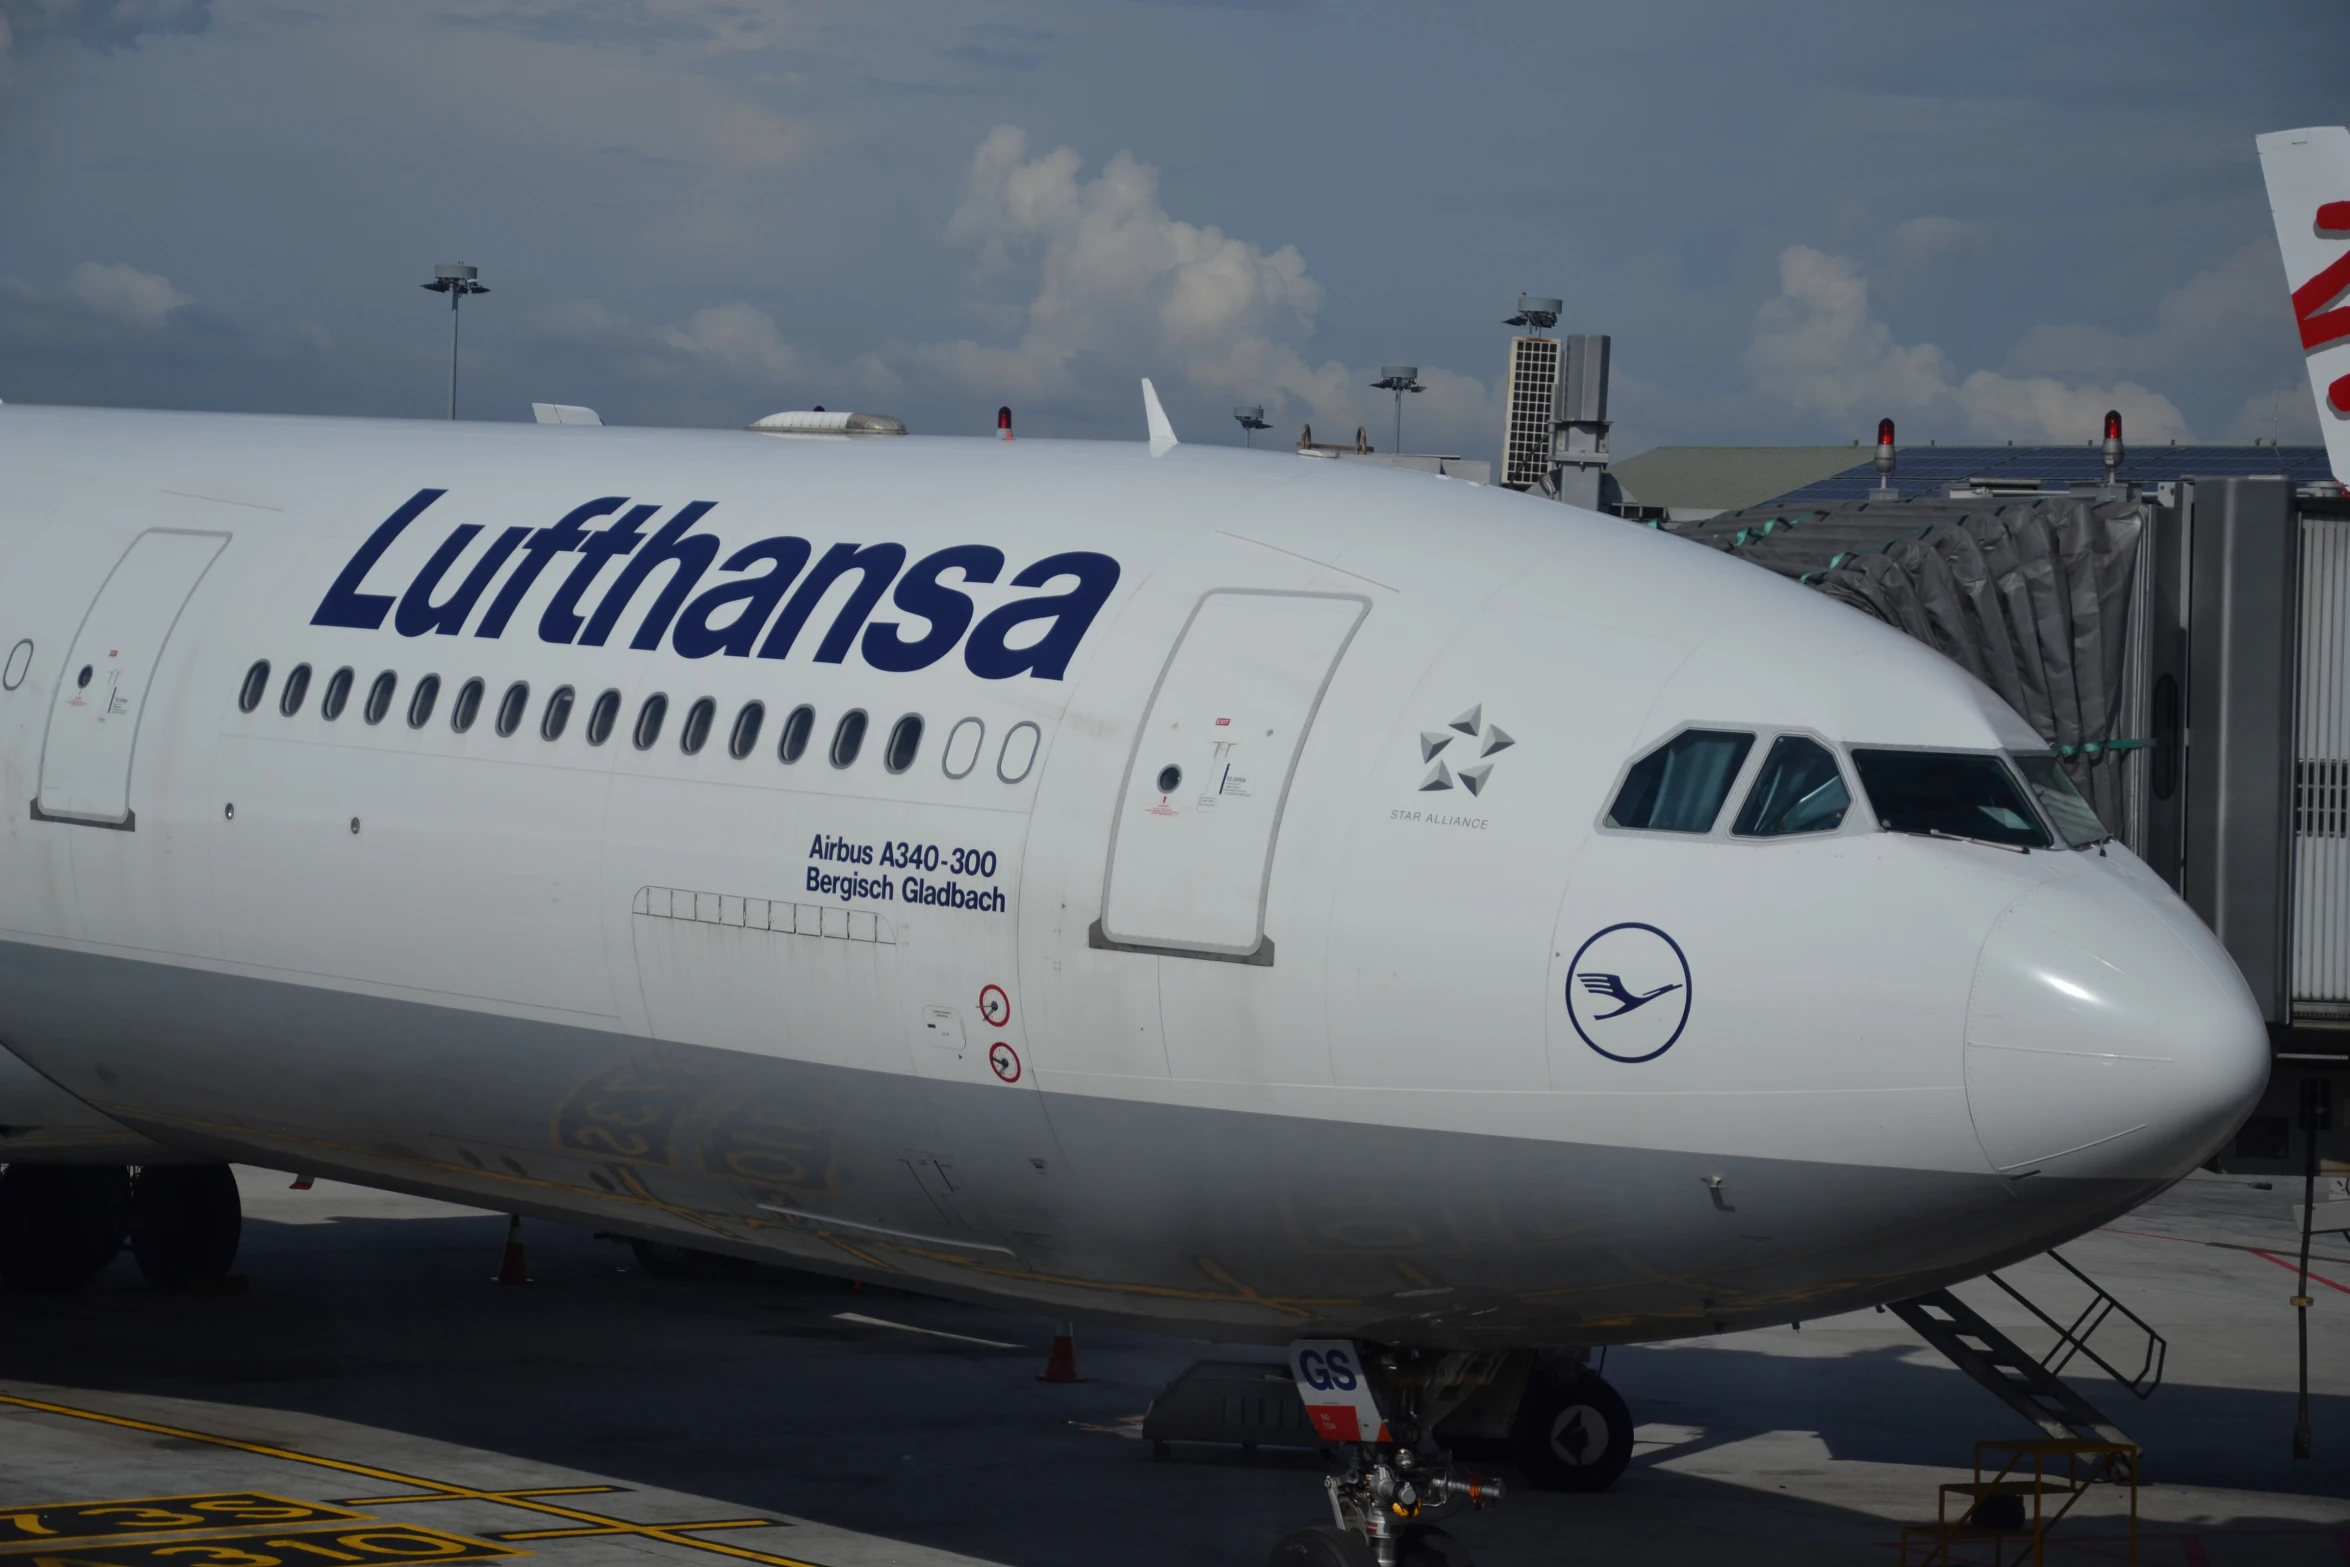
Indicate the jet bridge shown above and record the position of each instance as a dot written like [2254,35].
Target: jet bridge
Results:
[2180,639]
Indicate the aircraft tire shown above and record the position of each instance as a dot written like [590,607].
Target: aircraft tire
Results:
[1425,1545]
[60,1223]
[1326,1546]
[185,1222]
[1573,1432]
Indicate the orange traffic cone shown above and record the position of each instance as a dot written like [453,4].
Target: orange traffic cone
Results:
[511,1269]
[1061,1364]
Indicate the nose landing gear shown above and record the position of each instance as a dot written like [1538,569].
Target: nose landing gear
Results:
[1389,1480]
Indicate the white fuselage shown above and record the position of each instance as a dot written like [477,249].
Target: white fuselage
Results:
[1213,960]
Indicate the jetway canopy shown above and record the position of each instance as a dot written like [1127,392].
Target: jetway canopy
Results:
[2038,597]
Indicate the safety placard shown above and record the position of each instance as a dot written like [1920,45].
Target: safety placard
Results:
[1337,1396]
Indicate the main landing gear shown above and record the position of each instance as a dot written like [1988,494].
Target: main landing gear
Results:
[1391,1480]
[1572,1431]
[61,1223]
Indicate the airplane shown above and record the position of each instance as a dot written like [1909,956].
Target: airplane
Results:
[1013,870]
[2308,177]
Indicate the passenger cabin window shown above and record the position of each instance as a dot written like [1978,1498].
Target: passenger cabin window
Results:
[649,719]
[467,707]
[744,739]
[1019,752]
[962,748]
[428,691]
[905,743]
[2074,818]
[512,706]
[379,697]
[249,695]
[289,701]
[798,725]
[1948,794]
[698,721]
[602,717]
[338,694]
[1680,786]
[557,717]
[1799,789]
[848,737]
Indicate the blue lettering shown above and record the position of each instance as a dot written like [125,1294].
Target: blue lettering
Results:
[671,546]
[741,614]
[543,547]
[919,592]
[696,637]
[562,619]
[875,564]
[987,654]
[1309,1362]
[418,614]
[344,604]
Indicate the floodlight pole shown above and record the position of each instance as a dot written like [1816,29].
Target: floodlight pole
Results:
[1399,379]
[1251,419]
[456,280]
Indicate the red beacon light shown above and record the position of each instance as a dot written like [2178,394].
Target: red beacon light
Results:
[1884,490]
[1003,423]
[2113,443]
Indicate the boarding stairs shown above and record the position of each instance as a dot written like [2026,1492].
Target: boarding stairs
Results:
[2033,1386]
[2025,1495]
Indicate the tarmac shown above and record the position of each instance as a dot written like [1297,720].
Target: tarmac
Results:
[360,1392]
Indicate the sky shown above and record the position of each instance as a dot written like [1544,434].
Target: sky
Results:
[1990,222]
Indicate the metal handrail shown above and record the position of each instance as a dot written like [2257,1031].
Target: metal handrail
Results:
[2074,1340]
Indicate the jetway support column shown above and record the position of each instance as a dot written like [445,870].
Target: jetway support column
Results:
[2243,569]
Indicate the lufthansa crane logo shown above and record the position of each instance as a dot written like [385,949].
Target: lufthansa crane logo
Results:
[1474,769]
[1628,992]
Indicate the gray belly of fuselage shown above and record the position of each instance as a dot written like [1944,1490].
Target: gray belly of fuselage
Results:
[1208,1222]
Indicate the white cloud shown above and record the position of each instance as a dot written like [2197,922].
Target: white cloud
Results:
[1817,344]
[2286,412]
[1818,349]
[1115,285]
[1924,239]
[739,337]
[2207,323]
[139,298]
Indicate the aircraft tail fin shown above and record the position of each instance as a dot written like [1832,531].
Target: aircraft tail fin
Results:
[2308,174]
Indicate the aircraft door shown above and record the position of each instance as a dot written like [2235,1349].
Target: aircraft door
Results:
[1191,850]
[94,718]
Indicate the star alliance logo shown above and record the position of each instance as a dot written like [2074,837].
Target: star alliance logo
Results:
[1485,741]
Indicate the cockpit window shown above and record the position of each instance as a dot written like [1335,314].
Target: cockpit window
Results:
[1680,786]
[1950,795]
[1798,790]
[2074,818]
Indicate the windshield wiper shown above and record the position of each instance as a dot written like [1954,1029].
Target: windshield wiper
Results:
[1952,837]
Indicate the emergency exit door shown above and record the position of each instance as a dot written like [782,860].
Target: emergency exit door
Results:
[94,718]
[1191,852]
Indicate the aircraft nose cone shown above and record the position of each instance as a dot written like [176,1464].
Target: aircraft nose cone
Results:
[2109,1035]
